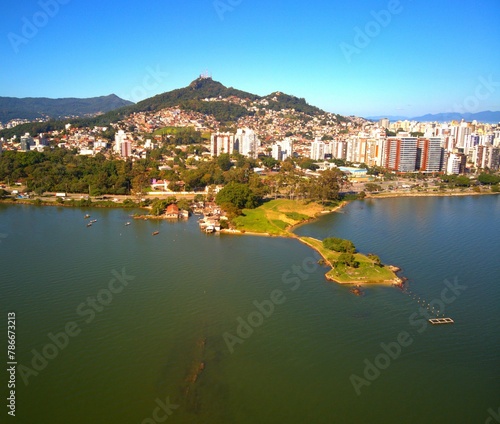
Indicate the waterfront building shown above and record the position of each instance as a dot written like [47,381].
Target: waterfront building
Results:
[486,157]
[430,154]
[455,163]
[400,154]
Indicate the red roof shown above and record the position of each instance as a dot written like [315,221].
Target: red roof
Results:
[172,209]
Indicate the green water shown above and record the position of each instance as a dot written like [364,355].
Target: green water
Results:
[186,290]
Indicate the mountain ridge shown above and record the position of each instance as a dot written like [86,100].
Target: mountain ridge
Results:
[57,108]
[486,116]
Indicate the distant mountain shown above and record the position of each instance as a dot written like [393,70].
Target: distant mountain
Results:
[391,118]
[484,117]
[487,117]
[41,107]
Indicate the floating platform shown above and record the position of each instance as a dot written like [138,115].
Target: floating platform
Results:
[436,321]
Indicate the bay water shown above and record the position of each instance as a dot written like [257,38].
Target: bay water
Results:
[114,325]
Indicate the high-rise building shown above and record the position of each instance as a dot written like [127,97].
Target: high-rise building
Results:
[286,148]
[276,152]
[221,143]
[384,123]
[430,154]
[486,157]
[462,131]
[26,142]
[456,163]
[317,150]
[120,137]
[400,154]
[247,142]
[126,149]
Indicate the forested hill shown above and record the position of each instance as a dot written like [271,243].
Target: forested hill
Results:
[191,98]
[42,107]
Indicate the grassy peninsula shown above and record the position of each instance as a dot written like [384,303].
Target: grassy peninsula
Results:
[278,217]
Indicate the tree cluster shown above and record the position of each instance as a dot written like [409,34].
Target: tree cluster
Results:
[339,245]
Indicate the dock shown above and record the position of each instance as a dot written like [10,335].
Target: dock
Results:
[437,321]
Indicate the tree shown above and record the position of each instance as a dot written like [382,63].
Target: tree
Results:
[375,259]
[488,179]
[269,161]
[347,259]
[239,195]
[224,162]
[328,185]
[371,187]
[339,245]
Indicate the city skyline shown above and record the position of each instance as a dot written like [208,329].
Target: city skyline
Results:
[380,58]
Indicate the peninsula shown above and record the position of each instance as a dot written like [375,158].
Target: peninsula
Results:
[279,217]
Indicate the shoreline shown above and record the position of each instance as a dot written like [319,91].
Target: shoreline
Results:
[427,194]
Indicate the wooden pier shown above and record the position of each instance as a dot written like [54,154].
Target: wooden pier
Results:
[437,321]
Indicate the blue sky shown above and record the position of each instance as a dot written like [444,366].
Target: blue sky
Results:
[389,57]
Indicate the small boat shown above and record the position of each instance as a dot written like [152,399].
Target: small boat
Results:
[89,224]
[210,229]
[86,216]
[156,233]
[93,221]
[127,224]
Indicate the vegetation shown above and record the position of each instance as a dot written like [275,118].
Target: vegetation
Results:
[488,179]
[62,170]
[238,195]
[348,268]
[34,108]
[275,216]
[339,245]
[456,180]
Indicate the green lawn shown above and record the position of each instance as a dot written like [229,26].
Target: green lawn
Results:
[275,216]
[367,272]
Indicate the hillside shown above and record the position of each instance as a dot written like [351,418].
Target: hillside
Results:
[227,105]
[42,107]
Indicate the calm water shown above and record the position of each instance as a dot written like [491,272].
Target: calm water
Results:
[162,335]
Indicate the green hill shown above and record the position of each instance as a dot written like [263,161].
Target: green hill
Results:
[190,98]
[42,107]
